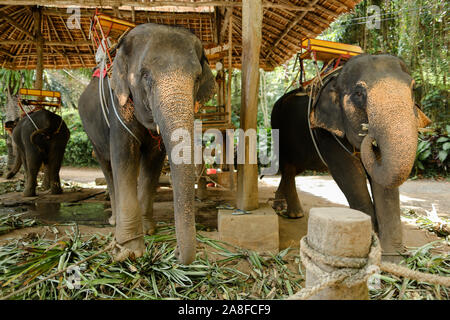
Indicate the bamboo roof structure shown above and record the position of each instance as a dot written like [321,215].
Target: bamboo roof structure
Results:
[68,45]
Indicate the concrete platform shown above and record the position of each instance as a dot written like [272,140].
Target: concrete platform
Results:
[257,231]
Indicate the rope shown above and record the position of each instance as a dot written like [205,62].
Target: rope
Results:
[109,247]
[117,115]
[354,271]
[313,98]
[101,92]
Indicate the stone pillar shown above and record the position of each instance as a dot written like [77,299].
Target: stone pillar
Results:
[341,232]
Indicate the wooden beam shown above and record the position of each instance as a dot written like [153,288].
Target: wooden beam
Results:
[252,14]
[150,4]
[37,15]
[47,43]
[12,22]
[289,27]
[128,14]
[225,23]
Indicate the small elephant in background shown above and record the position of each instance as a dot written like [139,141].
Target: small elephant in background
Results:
[35,147]
[365,123]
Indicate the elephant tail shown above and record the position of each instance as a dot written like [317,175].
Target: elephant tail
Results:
[40,138]
[15,168]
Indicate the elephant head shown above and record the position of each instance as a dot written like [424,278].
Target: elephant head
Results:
[371,103]
[164,70]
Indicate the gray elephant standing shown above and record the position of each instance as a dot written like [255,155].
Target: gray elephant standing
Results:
[367,110]
[163,70]
[45,145]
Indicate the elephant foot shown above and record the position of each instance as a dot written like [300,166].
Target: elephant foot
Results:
[185,261]
[393,258]
[29,193]
[295,214]
[132,249]
[56,189]
[112,219]
[279,204]
[394,253]
[149,226]
[10,175]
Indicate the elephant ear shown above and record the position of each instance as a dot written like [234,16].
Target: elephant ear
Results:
[207,83]
[119,82]
[327,114]
[421,118]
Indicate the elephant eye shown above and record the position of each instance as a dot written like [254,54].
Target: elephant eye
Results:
[358,97]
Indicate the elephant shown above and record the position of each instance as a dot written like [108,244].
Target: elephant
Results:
[35,147]
[158,74]
[365,125]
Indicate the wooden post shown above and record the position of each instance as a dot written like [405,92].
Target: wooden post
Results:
[37,15]
[230,66]
[339,232]
[247,197]
[228,106]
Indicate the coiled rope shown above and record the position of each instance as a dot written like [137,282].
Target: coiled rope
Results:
[354,271]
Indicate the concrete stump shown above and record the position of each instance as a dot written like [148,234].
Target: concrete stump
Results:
[341,232]
[257,231]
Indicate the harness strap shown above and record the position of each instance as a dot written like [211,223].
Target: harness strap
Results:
[313,99]
[309,126]
[101,92]
[117,115]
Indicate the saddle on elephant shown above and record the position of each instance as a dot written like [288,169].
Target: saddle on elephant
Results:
[332,54]
[32,100]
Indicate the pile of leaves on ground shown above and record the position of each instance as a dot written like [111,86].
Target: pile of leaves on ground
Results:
[421,259]
[156,275]
[12,221]
[16,185]
[221,271]
[431,221]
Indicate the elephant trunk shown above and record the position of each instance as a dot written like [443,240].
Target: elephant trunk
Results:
[389,149]
[175,116]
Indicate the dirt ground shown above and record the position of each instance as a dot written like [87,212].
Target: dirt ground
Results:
[314,191]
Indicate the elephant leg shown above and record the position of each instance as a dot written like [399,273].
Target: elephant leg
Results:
[280,196]
[56,155]
[150,170]
[350,176]
[387,208]
[107,172]
[46,182]
[105,165]
[279,203]
[294,208]
[125,156]
[33,166]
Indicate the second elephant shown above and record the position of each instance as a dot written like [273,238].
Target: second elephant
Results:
[45,145]
[365,125]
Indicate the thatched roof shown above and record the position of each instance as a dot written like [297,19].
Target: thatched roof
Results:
[285,23]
